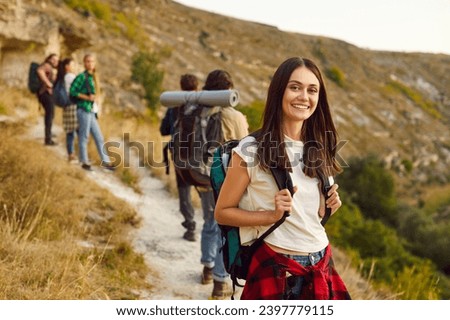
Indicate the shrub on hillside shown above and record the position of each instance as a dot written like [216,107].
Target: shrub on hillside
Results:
[336,75]
[145,71]
[372,188]
[253,112]
[427,238]
[381,253]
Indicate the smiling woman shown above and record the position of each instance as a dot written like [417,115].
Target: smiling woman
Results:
[296,119]
[299,100]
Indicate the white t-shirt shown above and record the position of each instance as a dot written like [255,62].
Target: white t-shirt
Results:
[68,79]
[301,231]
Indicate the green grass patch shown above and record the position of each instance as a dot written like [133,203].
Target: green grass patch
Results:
[253,112]
[336,75]
[436,199]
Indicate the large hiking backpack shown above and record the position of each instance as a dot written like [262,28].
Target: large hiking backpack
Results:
[60,96]
[237,257]
[197,132]
[34,83]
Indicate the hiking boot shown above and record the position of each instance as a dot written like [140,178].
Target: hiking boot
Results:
[71,157]
[189,235]
[207,275]
[50,143]
[190,225]
[86,167]
[109,167]
[221,291]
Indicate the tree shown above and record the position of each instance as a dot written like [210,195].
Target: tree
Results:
[372,188]
[146,72]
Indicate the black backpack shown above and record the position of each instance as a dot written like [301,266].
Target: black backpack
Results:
[197,133]
[237,257]
[60,96]
[34,83]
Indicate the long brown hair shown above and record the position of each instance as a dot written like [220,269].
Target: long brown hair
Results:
[94,74]
[62,68]
[318,132]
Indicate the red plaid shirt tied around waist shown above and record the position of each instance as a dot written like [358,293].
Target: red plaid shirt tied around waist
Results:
[266,278]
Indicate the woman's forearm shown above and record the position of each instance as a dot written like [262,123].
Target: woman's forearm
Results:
[237,217]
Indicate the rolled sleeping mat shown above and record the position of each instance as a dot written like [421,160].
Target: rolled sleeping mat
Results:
[221,98]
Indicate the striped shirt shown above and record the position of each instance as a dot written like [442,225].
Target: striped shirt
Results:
[79,86]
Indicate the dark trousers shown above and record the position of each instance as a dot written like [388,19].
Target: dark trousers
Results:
[186,208]
[49,107]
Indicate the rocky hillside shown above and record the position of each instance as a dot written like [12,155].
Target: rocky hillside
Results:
[396,105]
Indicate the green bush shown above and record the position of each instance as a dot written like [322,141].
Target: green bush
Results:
[408,165]
[253,112]
[381,253]
[336,75]
[145,71]
[372,188]
[427,238]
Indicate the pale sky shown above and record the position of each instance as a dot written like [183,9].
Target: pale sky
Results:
[389,25]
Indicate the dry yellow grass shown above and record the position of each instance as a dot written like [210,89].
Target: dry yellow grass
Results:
[61,236]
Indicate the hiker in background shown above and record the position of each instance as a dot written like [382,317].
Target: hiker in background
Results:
[234,126]
[297,134]
[85,89]
[188,82]
[70,122]
[47,77]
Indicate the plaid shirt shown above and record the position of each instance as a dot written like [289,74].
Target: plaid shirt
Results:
[79,86]
[267,277]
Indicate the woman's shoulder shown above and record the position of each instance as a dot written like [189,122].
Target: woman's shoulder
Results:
[68,77]
[247,148]
[250,140]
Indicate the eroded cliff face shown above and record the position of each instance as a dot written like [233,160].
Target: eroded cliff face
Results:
[29,32]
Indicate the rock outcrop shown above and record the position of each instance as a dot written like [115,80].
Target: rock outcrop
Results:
[28,33]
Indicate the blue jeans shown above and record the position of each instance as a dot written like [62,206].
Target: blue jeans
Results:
[70,141]
[294,283]
[87,123]
[211,241]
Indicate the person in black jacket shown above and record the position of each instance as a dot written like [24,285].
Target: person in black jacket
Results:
[188,82]
[46,75]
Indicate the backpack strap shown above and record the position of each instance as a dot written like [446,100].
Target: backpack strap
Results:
[205,114]
[283,181]
[166,157]
[326,186]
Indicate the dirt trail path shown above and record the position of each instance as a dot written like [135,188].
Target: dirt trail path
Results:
[175,261]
